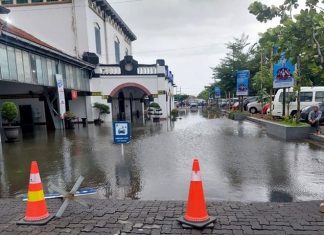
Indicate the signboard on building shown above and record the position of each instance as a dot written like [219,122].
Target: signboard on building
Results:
[242,82]
[283,73]
[217,91]
[74,94]
[122,132]
[61,96]
[96,93]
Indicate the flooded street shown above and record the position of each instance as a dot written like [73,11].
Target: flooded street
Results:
[239,162]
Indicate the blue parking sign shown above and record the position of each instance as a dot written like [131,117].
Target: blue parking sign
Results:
[122,132]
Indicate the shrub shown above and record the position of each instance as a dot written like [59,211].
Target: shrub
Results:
[154,105]
[103,109]
[174,112]
[9,111]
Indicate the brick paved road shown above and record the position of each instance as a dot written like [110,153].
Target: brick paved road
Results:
[159,217]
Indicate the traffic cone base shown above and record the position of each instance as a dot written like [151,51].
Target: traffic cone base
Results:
[204,224]
[38,222]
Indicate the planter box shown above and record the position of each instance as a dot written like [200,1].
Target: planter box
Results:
[237,116]
[284,132]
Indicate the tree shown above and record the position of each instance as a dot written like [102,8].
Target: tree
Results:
[301,37]
[180,98]
[241,55]
[204,94]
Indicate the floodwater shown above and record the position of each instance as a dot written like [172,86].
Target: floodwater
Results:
[238,162]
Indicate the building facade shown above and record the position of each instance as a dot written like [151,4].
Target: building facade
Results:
[28,71]
[93,31]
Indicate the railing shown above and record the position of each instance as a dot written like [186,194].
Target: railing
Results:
[146,70]
[115,70]
[110,70]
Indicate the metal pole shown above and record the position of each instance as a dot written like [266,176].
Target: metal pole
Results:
[284,103]
[122,150]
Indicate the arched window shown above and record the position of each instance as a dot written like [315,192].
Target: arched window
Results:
[98,39]
[126,52]
[117,50]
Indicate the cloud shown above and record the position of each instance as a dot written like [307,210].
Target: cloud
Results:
[189,34]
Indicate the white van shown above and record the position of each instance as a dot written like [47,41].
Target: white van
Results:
[308,96]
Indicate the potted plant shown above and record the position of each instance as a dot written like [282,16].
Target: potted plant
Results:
[103,110]
[155,111]
[69,117]
[174,114]
[9,113]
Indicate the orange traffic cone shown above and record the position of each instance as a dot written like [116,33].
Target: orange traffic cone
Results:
[196,214]
[36,210]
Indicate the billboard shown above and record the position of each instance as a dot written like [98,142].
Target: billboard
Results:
[217,91]
[283,72]
[242,82]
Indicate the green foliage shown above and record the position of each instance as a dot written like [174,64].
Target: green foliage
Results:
[9,111]
[154,105]
[241,55]
[262,81]
[174,113]
[204,94]
[103,109]
[291,121]
[300,36]
[180,98]
[69,115]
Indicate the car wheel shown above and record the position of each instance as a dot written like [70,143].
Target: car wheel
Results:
[293,114]
[253,110]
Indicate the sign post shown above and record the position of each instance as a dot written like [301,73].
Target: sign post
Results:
[122,134]
[242,85]
[217,91]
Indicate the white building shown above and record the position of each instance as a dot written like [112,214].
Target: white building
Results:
[28,71]
[93,31]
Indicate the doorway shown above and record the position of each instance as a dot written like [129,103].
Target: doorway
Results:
[121,106]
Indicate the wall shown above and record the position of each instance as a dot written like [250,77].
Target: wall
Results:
[92,20]
[41,20]
[112,33]
[78,107]
[38,108]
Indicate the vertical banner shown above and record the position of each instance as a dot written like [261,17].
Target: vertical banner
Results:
[217,92]
[242,82]
[61,96]
[283,73]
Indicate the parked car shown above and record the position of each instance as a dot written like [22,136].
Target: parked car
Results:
[265,108]
[305,112]
[309,96]
[256,106]
[248,100]
[193,107]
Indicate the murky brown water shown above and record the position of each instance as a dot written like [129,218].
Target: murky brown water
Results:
[238,162]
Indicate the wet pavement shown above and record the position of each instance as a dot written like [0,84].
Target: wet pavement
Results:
[238,161]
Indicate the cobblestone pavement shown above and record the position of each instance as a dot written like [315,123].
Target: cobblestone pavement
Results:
[159,217]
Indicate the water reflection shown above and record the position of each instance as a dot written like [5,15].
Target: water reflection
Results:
[238,162]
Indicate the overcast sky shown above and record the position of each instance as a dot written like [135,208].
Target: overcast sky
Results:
[189,34]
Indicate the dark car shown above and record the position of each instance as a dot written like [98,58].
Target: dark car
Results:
[248,100]
[305,112]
